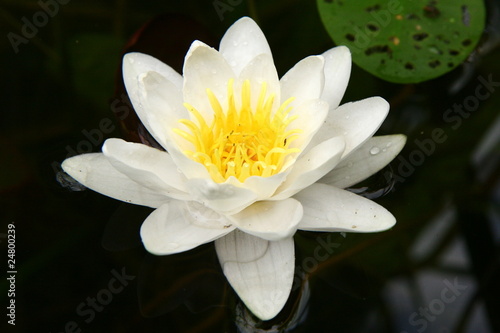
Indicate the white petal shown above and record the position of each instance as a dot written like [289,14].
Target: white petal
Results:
[205,68]
[356,121]
[136,67]
[270,220]
[222,197]
[304,81]
[242,42]
[260,271]
[136,63]
[147,166]
[178,226]
[316,163]
[95,172]
[259,70]
[337,72]
[311,117]
[365,161]
[164,105]
[327,208]
[158,104]
[265,187]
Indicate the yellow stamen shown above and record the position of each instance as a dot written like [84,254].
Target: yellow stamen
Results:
[241,142]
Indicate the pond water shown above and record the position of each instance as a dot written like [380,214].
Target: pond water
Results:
[80,265]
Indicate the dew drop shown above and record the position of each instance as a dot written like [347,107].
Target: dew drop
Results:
[388,144]
[347,117]
[375,150]
[235,43]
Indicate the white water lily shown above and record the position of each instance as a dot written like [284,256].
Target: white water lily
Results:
[250,158]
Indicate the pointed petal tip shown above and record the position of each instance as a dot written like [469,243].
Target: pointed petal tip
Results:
[131,59]
[362,164]
[75,164]
[266,311]
[194,47]
[245,19]
[342,51]
[349,213]
[380,101]
[384,223]
[66,164]
[403,138]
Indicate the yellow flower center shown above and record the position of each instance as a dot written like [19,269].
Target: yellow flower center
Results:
[241,142]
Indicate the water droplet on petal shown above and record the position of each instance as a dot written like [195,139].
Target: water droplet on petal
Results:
[375,150]
[388,144]
[245,43]
[347,117]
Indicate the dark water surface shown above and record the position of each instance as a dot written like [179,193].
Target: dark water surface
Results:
[79,260]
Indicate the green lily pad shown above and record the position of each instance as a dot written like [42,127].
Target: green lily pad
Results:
[405,41]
